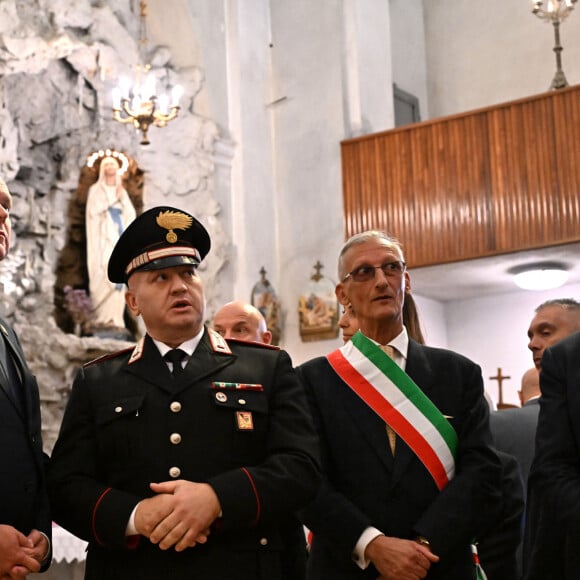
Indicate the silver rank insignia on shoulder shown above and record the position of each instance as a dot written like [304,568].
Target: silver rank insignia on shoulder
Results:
[245,420]
[137,351]
[218,342]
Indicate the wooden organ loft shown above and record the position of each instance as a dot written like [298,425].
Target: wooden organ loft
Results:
[487,182]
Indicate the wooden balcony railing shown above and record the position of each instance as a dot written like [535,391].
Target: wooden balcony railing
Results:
[497,180]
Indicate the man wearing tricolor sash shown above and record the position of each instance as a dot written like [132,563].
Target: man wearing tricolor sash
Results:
[410,478]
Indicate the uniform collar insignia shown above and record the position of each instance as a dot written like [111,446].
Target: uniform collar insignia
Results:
[218,342]
[137,351]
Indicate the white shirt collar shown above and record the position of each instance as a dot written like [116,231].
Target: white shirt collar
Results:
[401,345]
[188,346]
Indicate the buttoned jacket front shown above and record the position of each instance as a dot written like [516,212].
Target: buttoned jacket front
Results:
[238,421]
[363,485]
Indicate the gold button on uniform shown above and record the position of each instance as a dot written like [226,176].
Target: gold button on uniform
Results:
[264,541]
[242,401]
[118,409]
[175,407]
[175,438]
[221,397]
[174,472]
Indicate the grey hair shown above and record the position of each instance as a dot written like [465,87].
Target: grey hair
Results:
[566,303]
[367,236]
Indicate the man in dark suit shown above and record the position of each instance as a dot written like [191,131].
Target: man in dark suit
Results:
[409,475]
[25,525]
[514,430]
[553,518]
[181,468]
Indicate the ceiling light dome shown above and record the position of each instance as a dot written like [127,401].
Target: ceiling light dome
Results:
[540,275]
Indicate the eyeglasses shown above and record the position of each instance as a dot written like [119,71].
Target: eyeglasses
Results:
[365,273]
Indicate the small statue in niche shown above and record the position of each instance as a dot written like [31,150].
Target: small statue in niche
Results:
[108,212]
[264,298]
[72,267]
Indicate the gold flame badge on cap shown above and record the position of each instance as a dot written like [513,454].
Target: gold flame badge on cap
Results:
[173,220]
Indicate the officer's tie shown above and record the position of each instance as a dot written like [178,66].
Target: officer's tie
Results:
[175,357]
[390,433]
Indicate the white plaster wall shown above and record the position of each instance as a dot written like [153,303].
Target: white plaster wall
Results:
[324,75]
[484,53]
[308,126]
[408,50]
[432,315]
[492,331]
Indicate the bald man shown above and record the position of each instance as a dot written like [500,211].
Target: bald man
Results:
[241,321]
[530,386]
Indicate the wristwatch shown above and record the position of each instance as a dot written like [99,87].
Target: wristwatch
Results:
[421,540]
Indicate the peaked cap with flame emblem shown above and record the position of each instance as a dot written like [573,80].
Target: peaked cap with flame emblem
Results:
[159,238]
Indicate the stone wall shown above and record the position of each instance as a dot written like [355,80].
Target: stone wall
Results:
[59,60]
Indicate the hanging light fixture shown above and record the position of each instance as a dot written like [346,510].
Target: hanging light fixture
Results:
[139,101]
[540,275]
[555,11]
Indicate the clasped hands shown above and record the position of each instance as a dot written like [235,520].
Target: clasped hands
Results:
[179,515]
[19,554]
[397,559]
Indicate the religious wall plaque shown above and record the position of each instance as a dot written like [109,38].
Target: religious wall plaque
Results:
[264,298]
[318,308]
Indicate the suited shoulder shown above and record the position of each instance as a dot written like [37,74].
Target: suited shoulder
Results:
[570,344]
[439,354]
[109,357]
[313,364]
[237,341]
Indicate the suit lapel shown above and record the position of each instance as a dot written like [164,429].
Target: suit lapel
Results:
[204,362]
[372,427]
[418,367]
[9,348]
[369,424]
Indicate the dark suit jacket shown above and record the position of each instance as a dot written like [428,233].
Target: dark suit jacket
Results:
[514,432]
[552,535]
[500,548]
[364,486]
[23,497]
[115,439]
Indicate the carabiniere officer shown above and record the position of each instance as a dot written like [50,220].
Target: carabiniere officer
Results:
[177,458]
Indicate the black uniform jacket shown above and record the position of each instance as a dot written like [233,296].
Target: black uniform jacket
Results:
[552,534]
[23,496]
[363,485]
[237,420]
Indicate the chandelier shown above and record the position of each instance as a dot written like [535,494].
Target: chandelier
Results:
[555,11]
[138,101]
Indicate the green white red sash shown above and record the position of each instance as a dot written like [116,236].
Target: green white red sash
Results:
[393,395]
